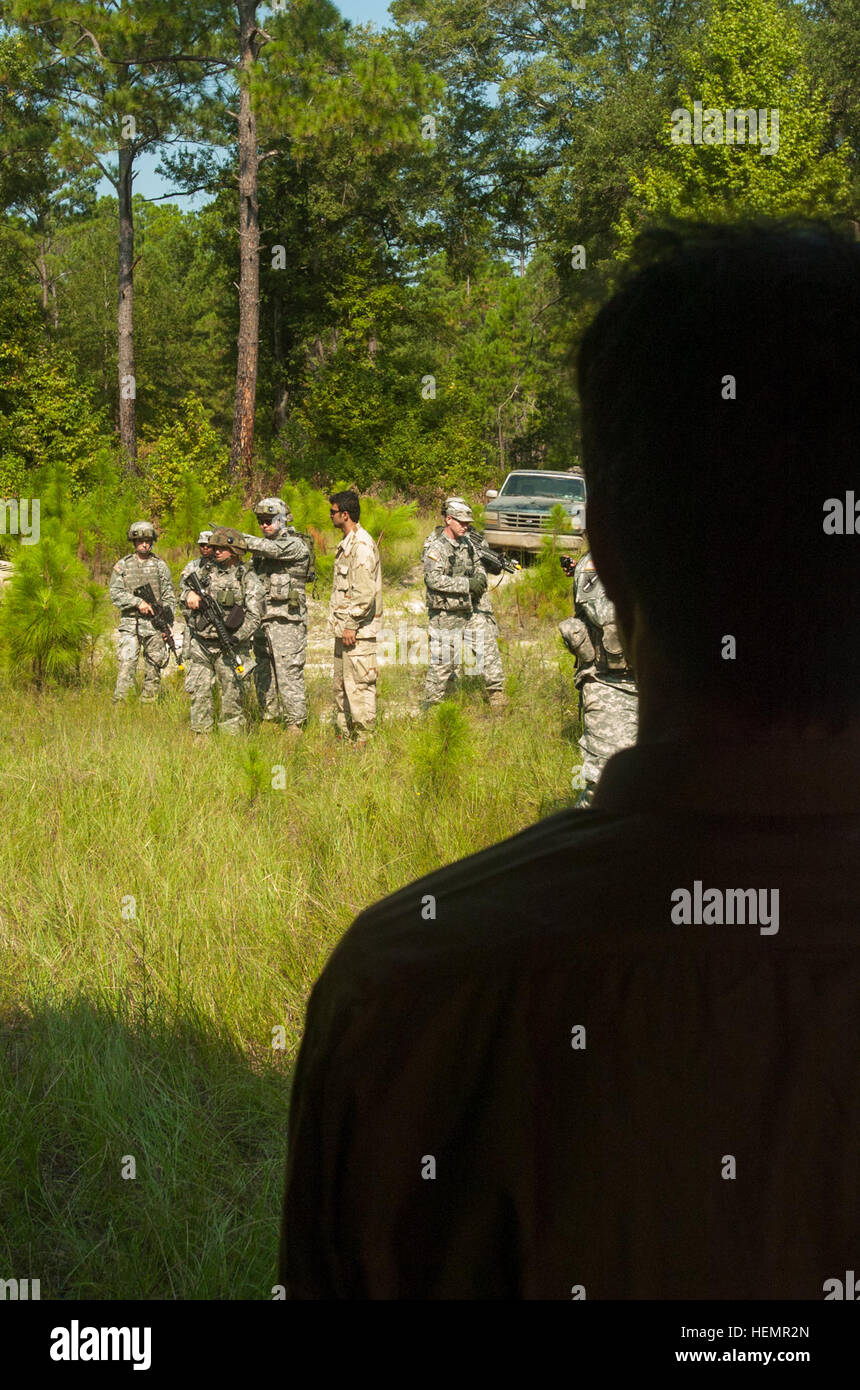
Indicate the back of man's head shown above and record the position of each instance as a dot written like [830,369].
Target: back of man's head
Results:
[720,397]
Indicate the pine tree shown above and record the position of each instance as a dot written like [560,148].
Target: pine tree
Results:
[51,613]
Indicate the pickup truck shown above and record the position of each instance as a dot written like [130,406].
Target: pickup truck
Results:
[518,516]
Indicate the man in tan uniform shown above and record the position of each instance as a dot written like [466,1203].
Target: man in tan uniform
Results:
[354,618]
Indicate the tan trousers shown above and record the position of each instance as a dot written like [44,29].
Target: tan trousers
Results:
[355,685]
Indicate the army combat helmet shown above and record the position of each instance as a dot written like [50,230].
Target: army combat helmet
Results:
[458,509]
[271,507]
[227,538]
[141,531]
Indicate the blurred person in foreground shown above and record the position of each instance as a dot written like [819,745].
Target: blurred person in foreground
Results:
[615,1057]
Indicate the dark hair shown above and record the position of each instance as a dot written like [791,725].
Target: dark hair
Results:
[717,505]
[347,502]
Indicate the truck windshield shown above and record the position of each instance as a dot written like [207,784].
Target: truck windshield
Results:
[548,485]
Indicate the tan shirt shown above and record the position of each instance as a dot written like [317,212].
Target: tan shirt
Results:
[356,595]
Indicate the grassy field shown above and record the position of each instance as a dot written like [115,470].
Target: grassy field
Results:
[164,908]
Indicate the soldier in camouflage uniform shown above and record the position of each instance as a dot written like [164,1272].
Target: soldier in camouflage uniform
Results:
[455,581]
[608,700]
[201,564]
[136,633]
[354,619]
[282,561]
[481,633]
[242,598]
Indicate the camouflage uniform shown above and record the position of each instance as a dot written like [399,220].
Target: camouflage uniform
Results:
[608,700]
[229,585]
[483,630]
[282,565]
[448,567]
[356,605]
[202,568]
[136,632]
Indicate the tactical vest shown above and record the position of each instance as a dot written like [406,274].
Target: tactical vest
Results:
[227,587]
[136,571]
[460,562]
[285,580]
[596,610]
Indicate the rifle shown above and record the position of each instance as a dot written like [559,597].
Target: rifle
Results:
[504,560]
[213,614]
[507,563]
[161,619]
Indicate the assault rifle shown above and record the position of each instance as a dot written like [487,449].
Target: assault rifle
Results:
[504,560]
[507,563]
[212,614]
[160,617]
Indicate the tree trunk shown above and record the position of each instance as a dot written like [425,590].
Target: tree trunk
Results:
[125,315]
[43,277]
[242,447]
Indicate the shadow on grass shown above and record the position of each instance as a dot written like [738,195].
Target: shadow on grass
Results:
[88,1098]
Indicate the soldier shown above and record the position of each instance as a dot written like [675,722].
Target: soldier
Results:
[136,634]
[607,688]
[455,580]
[354,618]
[205,560]
[242,597]
[283,562]
[481,633]
[201,564]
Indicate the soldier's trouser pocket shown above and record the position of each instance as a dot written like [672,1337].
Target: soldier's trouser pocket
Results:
[360,672]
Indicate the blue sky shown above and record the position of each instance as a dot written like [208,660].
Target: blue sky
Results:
[147,181]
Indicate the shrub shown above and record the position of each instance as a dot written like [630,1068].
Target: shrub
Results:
[189,446]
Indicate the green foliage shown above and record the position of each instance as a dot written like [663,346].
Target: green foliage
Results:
[751,55]
[51,613]
[542,589]
[189,514]
[442,749]
[46,417]
[189,446]
[98,519]
[256,772]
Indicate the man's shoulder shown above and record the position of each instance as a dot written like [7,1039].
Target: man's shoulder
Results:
[363,542]
[480,913]
[437,544]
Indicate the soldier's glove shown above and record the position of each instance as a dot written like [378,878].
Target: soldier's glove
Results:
[235,618]
[477,584]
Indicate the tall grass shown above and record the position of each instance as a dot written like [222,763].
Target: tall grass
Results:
[165,907]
